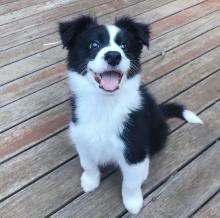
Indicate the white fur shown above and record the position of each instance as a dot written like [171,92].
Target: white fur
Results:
[96,136]
[191,117]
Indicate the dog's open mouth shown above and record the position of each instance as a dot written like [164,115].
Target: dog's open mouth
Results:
[108,80]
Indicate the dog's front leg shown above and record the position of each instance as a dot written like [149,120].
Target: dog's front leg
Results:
[90,178]
[133,177]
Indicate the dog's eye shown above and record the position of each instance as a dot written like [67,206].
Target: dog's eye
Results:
[94,44]
[123,46]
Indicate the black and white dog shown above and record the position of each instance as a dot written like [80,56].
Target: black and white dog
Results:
[114,118]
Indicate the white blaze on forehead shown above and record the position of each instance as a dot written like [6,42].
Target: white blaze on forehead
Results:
[113,31]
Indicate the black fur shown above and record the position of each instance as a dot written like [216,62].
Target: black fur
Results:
[139,30]
[73,108]
[145,130]
[76,36]
[172,110]
[69,31]
[135,35]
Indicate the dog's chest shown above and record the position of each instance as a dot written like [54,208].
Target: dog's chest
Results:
[98,129]
[100,121]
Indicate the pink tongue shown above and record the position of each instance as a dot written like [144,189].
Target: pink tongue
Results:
[110,81]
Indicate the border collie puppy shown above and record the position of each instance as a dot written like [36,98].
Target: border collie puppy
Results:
[114,118]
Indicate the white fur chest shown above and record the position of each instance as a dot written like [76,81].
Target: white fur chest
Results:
[100,118]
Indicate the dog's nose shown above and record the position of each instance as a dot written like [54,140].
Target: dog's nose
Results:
[113,58]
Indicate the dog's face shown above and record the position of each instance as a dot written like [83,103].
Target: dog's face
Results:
[105,55]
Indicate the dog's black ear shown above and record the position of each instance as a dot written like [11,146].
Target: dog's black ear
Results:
[70,30]
[140,30]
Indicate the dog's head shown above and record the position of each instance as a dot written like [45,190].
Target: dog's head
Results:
[105,55]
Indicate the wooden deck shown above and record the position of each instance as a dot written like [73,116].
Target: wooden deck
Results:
[39,170]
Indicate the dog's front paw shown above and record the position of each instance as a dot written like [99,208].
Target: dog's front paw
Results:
[89,183]
[133,202]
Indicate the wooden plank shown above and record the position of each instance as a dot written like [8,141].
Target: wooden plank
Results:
[31,64]
[48,19]
[33,131]
[183,17]
[195,98]
[160,66]
[167,10]
[29,11]
[37,45]
[211,209]
[197,101]
[184,144]
[154,51]
[6,1]
[186,190]
[32,83]
[25,50]
[29,106]
[10,40]
[178,81]
[135,10]
[35,162]
[186,75]
[152,69]
[38,192]
[17,5]
[182,35]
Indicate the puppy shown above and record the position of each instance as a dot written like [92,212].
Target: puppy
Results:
[114,118]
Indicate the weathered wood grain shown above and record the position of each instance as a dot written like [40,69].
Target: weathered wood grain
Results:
[180,55]
[32,83]
[6,1]
[167,10]
[170,85]
[182,35]
[191,72]
[51,27]
[33,131]
[31,64]
[34,104]
[186,190]
[34,163]
[181,18]
[28,11]
[17,5]
[135,10]
[211,209]
[56,54]
[198,97]
[41,44]
[184,144]
[19,52]
[65,185]
[10,118]
[151,70]
[193,98]
[46,22]
[45,191]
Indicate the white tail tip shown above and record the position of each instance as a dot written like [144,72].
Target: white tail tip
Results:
[190,117]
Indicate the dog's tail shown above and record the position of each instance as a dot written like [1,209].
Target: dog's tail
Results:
[175,110]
